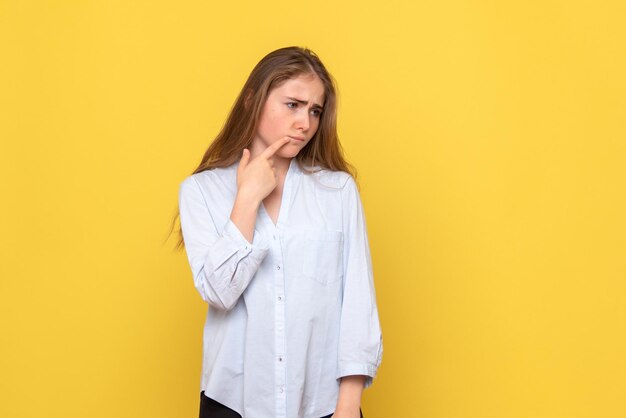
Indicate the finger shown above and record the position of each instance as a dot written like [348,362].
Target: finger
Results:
[271,150]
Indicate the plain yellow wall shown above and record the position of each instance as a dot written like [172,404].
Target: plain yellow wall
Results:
[490,142]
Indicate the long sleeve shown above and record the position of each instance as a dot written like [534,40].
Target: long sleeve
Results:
[222,260]
[360,336]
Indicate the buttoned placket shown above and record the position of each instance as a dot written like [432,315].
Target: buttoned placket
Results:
[276,253]
[279,322]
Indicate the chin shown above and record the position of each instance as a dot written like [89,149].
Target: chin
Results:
[288,153]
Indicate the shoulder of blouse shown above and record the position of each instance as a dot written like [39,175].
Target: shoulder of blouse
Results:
[222,176]
[331,179]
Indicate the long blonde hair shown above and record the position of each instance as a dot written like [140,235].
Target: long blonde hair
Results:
[323,150]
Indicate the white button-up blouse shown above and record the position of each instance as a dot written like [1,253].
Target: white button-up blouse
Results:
[293,311]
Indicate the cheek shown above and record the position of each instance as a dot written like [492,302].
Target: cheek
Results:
[315,125]
[267,132]
[266,125]
[269,119]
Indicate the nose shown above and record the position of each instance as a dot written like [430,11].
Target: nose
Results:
[303,121]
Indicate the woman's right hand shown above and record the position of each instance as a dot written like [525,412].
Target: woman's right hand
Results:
[257,178]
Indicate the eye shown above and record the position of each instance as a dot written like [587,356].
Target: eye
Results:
[292,103]
[316,112]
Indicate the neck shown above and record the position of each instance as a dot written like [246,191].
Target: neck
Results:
[281,165]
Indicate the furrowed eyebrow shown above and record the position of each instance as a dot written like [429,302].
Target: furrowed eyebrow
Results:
[304,102]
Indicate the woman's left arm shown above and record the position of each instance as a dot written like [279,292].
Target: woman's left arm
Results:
[349,402]
[360,336]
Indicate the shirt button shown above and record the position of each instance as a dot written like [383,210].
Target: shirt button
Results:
[282,389]
[280,359]
[280,298]
[277,267]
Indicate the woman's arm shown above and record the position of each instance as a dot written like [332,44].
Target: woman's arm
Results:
[360,336]
[349,402]
[244,214]
[225,257]
[222,261]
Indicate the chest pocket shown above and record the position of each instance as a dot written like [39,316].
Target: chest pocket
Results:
[323,256]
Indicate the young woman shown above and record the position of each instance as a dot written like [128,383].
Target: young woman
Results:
[275,234]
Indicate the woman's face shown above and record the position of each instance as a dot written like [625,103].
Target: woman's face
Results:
[293,109]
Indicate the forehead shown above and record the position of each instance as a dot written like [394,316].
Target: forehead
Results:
[307,87]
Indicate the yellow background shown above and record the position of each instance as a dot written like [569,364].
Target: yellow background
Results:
[490,142]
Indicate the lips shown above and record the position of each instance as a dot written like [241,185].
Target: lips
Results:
[297,138]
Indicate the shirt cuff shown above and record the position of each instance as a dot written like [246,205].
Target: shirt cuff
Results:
[258,242]
[350,369]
